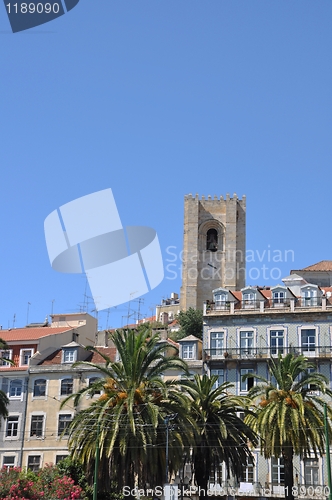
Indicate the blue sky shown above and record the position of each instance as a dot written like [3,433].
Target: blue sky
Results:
[157,99]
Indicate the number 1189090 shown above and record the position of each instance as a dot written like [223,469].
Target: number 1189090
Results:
[32,8]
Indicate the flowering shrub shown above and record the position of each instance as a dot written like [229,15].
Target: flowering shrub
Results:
[47,483]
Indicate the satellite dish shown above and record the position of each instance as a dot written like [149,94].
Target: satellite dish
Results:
[328,294]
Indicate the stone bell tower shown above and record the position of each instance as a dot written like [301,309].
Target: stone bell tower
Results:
[214,247]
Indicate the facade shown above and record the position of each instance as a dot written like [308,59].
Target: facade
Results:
[26,347]
[320,273]
[242,330]
[167,311]
[213,247]
[51,381]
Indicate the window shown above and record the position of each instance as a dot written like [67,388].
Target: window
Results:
[64,421]
[309,298]
[217,343]
[36,429]
[216,475]
[311,471]
[248,300]
[15,388]
[279,297]
[220,375]
[246,342]
[247,384]
[212,240]
[92,380]
[5,354]
[25,356]
[12,426]
[277,341]
[247,475]
[278,470]
[308,339]
[69,355]
[188,350]
[66,386]
[8,461]
[312,387]
[34,463]
[39,388]
[220,301]
[58,458]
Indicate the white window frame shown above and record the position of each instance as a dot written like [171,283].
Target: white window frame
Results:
[72,352]
[311,352]
[278,470]
[18,430]
[249,299]
[6,353]
[22,351]
[37,414]
[247,348]
[244,371]
[278,296]
[220,372]
[278,348]
[17,398]
[188,350]
[220,300]
[311,469]
[9,454]
[219,340]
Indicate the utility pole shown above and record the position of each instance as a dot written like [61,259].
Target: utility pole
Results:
[95,483]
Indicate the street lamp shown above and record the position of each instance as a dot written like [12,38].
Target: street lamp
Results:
[181,483]
[167,421]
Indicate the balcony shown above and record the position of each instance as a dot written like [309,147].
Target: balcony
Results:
[276,305]
[258,353]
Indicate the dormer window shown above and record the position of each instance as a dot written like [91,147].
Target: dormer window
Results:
[279,297]
[212,240]
[25,356]
[4,355]
[309,297]
[220,300]
[188,350]
[248,300]
[69,355]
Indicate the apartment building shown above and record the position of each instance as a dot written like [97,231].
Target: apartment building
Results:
[28,395]
[244,329]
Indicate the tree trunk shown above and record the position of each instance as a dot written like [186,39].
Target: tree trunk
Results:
[287,454]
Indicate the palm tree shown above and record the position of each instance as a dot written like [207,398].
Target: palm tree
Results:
[221,435]
[129,414]
[4,401]
[289,416]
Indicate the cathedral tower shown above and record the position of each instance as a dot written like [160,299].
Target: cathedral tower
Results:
[214,247]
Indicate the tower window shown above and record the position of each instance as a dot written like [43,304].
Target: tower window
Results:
[212,240]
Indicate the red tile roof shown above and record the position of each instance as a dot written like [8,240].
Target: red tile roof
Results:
[323,265]
[21,334]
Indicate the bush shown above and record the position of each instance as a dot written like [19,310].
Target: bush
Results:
[16,484]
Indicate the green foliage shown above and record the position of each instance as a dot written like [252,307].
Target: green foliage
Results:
[289,416]
[47,483]
[191,323]
[128,417]
[221,436]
